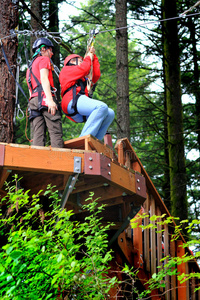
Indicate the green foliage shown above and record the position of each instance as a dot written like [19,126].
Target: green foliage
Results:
[47,254]
[169,264]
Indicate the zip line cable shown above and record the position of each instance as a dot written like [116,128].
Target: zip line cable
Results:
[58,39]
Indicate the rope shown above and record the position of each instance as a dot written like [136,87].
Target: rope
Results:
[27,126]
[90,43]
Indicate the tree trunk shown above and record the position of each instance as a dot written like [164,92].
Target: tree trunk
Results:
[195,89]
[174,112]
[54,27]
[36,8]
[8,21]
[123,121]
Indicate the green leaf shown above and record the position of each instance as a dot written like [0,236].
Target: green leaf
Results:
[59,257]
[16,254]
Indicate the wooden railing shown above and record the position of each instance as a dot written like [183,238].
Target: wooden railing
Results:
[150,245]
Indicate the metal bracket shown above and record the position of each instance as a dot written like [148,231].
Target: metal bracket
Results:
[126,222]
[97,164]
[77,164]
[71,181]
[140,185]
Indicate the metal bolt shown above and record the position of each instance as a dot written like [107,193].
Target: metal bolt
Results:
[90,167]
[108,164]
[122,240]
[90,158]
[77,169]
[138,188]
[138,180]
[109,173]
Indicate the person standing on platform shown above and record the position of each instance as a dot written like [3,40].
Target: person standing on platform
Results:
[43,104]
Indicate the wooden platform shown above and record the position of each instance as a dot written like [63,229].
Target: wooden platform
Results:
[119,180]
[95,163]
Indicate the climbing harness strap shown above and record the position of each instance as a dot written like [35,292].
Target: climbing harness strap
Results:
[38,89]
[76,96]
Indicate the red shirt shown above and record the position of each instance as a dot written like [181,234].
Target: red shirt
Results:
[69,75]
[41,62]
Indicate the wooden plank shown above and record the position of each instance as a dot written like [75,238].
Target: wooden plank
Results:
[183,289]
[153,236]
[126,247]
[103,193]
[123,178]
[120,151]
[193,296]
[97,145]
[40,160]
[137,244]
[3,176]
[136,167]
[166,253]
[77,143]
[128,159]
[146,206]
[173,277]
[159,239]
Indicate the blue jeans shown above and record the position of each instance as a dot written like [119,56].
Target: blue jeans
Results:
[98,116]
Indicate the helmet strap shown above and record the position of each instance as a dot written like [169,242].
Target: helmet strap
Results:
[38,51]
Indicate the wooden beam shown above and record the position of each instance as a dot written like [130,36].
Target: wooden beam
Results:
[122,177]
[97,145]
[78,143]
[103,193]
[126,246]
[40,159]
[137,244]
[3,176]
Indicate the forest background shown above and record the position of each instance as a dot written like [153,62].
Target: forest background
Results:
[149,57]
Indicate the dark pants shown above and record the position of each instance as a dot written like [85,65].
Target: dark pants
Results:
[43,121]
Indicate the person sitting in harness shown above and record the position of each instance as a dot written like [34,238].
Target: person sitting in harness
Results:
[76,103]
[43,104]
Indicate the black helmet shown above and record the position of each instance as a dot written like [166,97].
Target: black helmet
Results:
[41,41]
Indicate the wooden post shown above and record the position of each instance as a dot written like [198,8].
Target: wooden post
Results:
[183,288]
[166,253]
[159,241]
[173,277]
[108,140]
[137,244]
[153,237]
[146,206]
[120,150]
